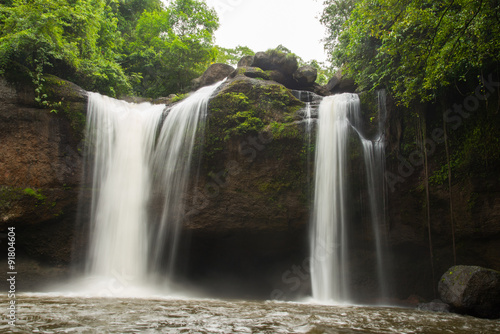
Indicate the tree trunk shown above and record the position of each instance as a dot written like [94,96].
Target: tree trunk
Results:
[450,192]
[423,131]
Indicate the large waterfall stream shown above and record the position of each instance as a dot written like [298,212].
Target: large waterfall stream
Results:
[138,150]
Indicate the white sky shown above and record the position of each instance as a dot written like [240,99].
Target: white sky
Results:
[265,24]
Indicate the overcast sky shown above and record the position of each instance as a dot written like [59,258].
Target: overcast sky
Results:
[265,24]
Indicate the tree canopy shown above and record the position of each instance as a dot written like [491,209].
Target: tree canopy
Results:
[115,47]
[415,48]
[172,47]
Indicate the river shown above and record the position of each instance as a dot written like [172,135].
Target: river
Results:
[50,313]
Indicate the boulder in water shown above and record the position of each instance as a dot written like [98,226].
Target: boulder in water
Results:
[472,290]
[435,306]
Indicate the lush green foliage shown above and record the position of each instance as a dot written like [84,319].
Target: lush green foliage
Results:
[334,16]
[115,47]
[172,47]
[79,38]
[415,48]
[232,56]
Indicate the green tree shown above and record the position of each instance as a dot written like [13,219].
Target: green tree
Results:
[232,56]
[334,16]
[77,40]
[415,48]
[129,11]
[171,47]
[325,72]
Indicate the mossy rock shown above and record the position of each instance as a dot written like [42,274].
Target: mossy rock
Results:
[370,113]
[246,106]
[251,72]
[68,100]
[472,290]
[59,89]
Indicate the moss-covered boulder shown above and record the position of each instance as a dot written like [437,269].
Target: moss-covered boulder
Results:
[248,106]
[472,290]
[249,207]
[285,63]
[251,72]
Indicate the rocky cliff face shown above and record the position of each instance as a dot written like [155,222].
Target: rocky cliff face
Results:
[40,171]
[475,186]
[248,210]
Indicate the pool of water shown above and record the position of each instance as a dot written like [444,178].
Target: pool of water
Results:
[49,313]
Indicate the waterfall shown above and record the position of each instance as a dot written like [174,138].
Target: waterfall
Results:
[119,136]
[328,236]
[338,120]
[138,154]
[374,158]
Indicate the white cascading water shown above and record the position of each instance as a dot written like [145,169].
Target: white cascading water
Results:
[374,157]
[338,115]
[171,166]
[329,271]
[138,151]
[119,135]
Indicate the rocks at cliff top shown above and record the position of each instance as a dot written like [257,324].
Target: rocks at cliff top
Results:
[276,60]
[246,61]
[472,290]
[280,67]
[340,84]
[306,75]
[215,73]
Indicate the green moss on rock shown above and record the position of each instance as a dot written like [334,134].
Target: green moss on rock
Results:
[247,106]
[68,98]
[9,195]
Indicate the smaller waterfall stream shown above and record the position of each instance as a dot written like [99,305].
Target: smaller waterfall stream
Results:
[340,118]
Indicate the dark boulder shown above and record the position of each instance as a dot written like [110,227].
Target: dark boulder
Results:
[275,60]
[306,75]
[472,290]
[250,72]
[246,61]
[213,74]
[282,78]
[339,83]
[333,82]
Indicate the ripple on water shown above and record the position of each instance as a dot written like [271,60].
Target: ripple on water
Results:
[61,314]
